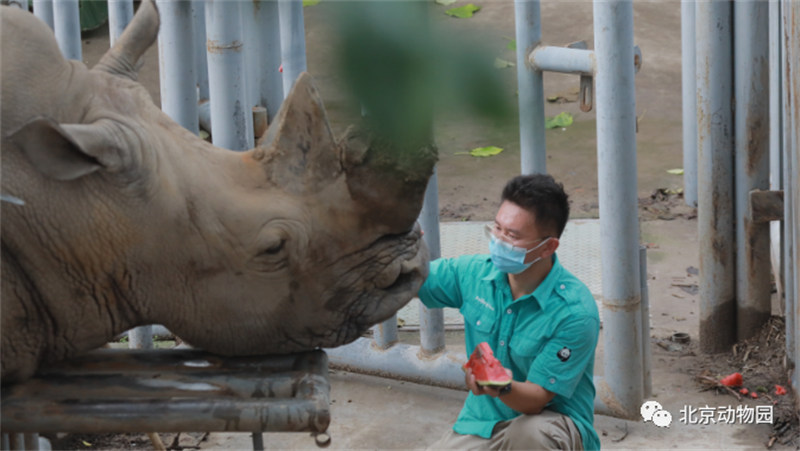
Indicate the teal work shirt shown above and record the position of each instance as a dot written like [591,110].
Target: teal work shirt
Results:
[547,337]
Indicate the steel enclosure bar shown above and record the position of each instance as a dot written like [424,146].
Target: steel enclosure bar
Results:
[715,215]
[252,53]
[140,337]
[751,163]
[293,41]
[120,13]
[400,362]
[176,63]
[384,334]
[533,156]
[67,21]
[775,141]
[616,156]
[431,321]
[562,59]
[231,119]
[647,381]
[43,9]
[689,96]
[200,59]
[271,86]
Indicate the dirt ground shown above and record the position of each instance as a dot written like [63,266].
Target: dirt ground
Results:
[469,190]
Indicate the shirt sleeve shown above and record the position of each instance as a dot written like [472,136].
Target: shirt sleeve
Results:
[564,358]
[442,288]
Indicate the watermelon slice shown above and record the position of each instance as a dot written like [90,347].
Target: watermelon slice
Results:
[486,368]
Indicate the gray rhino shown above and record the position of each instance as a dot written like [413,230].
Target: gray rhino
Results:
[304,241]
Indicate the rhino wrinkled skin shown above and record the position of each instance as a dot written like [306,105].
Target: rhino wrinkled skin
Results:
[129,219]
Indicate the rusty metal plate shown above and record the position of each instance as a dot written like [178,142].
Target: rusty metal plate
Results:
[118,390]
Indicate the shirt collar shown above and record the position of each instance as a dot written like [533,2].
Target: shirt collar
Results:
[545,289]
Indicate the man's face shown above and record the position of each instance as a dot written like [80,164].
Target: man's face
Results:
[517,226]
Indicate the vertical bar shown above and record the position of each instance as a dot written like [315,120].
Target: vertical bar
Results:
[431,321]
[689,96]
[120,13]
[530,86]
[384,335]
[5,442]
[775,141]
[616,156]
[751,163]
[715,176]
[31,441]
[176,63]
[231,118]
[252,52]
[67,21]
[269,38]
[16,442]
[258,441]
[646,351]
[293,41]
[200,60]
[43,9]
[140,337]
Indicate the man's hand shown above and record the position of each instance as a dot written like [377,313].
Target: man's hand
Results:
[476,389]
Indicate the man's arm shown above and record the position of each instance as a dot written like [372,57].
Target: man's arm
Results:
[525,397]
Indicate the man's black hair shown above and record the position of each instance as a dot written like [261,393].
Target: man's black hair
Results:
[541,195]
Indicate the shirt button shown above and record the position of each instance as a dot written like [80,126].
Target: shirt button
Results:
[509,311]
[478,323]
[552,380]
[563,286]
[502,343]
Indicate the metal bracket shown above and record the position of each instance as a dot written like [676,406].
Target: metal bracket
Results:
[766,206]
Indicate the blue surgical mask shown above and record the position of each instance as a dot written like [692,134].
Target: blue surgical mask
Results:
[509,258]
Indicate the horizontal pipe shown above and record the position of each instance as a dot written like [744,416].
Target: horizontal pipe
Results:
[562,59]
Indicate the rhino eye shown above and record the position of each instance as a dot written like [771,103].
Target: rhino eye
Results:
[274,248]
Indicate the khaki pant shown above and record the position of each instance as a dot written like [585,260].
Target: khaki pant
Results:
[547,430]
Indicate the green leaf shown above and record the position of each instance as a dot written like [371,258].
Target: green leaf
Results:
[677,171]
[487,151]
[445,2]
[311,2]
[463,12]
[512,44]
[562,120]
[502,64]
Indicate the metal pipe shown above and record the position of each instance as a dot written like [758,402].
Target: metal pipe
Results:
[120,13]
[689,96]
[714,176]
[140,338]
[17,442]
[176,63]
[67,21]
[647,355]
[200,60]
[43,9]
[530,86]
[751,163]
[31,441]
[252,53]
[775,142]
[231,118]
[562,59]
[269,38]
[401,361]
[384,335]
[616,156]
[431,321]
[293,41]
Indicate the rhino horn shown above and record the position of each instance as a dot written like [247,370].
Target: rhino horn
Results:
[123,58]
[299,150]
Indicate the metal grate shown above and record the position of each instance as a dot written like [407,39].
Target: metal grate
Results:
[579,252]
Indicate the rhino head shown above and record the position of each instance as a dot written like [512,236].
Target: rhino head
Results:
[304,241]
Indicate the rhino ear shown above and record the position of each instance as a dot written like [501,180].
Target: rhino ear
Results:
[65,152]
[299,147]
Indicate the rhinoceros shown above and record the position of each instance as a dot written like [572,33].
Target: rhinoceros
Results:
[304,241]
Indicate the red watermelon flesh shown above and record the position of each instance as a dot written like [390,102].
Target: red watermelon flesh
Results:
[486,368]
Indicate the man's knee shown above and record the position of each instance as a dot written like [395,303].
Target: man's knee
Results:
[547,430]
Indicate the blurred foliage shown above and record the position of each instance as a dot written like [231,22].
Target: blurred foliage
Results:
[403,71]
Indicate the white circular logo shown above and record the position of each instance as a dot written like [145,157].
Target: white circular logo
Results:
[662,418]
[649,408]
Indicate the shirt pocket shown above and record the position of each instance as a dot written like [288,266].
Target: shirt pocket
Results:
[524,350]
[480,319]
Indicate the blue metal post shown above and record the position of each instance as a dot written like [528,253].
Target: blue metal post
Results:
[530,86]
[120,13]
[384,334]
[616,156]
[176,62]
[67,21]
[200,60]
[775,141]
[293,41]
[647,356]
[689,86]
[269,39]
[231,118]
[715,176]
[751,164]
[252,52]
[43,9]
[431,321]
